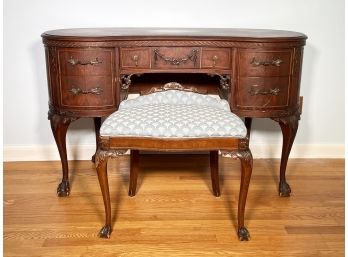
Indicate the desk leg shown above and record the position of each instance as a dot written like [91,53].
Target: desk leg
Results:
[59,125]
[97,125]
[289,127]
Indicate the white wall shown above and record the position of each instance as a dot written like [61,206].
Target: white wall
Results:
[27,133]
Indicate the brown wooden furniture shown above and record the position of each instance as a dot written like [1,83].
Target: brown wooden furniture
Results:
[90,71]
[113,142]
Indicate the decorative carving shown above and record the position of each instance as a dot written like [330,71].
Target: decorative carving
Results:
[243,234]
[174,86]
[63,189]
[284,189]
[259,90]
[61,118]
[176,60]
[275,62]
[290,120]
[238,154]
[78,91]
[102,155]
[73,61]
[105,231]
[128,43]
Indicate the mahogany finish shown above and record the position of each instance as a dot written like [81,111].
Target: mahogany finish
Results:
[90,71]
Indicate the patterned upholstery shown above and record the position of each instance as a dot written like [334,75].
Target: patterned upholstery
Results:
[174,114]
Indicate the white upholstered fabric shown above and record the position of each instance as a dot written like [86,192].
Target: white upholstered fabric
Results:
[174,114]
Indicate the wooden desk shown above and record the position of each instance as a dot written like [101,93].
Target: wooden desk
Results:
[90,71]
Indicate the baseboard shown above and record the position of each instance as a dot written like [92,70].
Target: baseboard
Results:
[85,152]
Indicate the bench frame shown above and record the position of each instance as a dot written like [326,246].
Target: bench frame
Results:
[114,146]
[110,147]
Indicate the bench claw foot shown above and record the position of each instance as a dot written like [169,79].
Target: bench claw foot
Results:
[63,189]
[105,232]
[243,234]
[284,189]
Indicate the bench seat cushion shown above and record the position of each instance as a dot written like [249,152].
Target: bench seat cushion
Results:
[174,114]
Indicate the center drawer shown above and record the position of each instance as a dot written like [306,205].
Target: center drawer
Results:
[175,57]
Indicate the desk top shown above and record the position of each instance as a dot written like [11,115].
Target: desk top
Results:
[156,33]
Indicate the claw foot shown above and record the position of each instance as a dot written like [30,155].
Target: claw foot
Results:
[243,234]
[105,232]
[284,189]
[63,189]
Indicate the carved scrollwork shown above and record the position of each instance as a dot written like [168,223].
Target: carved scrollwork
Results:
[245,155]
[291,120]
[173,86]
[103,155]
[193,56]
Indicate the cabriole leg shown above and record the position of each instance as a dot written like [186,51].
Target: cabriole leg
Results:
[59,126]
[246,159]
[101,166]
[289,127]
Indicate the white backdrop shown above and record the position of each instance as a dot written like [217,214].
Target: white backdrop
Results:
[27,134]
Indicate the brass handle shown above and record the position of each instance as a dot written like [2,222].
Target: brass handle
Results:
[176,60]
[135,59]
[73,61]
[259,90]
[215,58]
[254,62]
[78,91]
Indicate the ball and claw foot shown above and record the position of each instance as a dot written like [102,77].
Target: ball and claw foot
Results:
[105,232]
[63,189]
[243,234]
[284,189]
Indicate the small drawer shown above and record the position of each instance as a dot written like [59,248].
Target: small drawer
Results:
[267,92]
[264,63]
[138,58]
[85,62]
[175,58]
[216,58]
[87,91]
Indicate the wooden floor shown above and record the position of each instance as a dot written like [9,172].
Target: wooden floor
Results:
[174,212]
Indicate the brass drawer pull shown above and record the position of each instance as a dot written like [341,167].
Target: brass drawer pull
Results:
[78,91]
[135,58]
[215,58]
[275,62]
[259,90]
[176,60]
[73,61]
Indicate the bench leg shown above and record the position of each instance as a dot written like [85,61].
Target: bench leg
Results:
[134,170]
[246,159]
[101,161]
[214,172]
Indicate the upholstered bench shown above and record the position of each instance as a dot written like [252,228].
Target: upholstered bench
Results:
[174,120]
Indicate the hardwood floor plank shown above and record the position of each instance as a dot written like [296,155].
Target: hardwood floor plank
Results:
[174,212]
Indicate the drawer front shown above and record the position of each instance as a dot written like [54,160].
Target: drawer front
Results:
[175,58]
[85,62]
[265,63]
[135,58]
[216,58]
[263,93]
[88,91]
